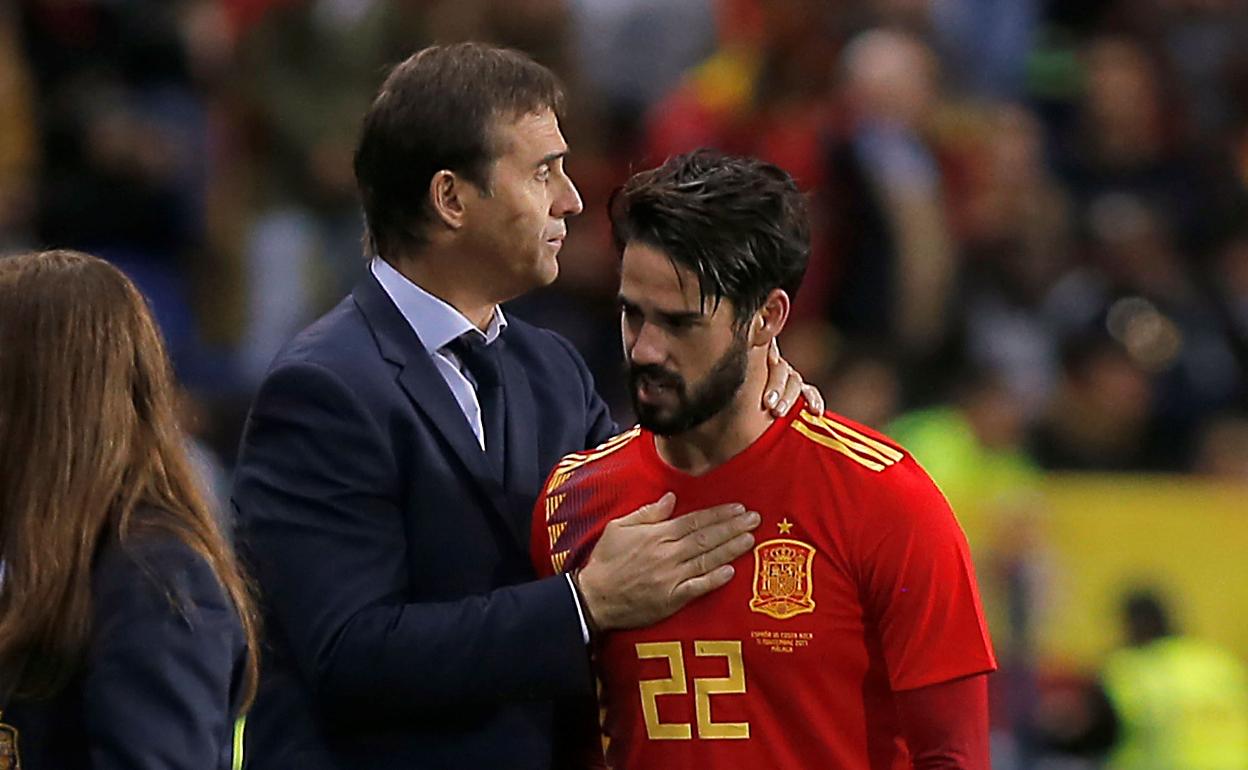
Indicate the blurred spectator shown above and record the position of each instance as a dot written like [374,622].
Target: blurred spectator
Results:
[1017,246]
[861,384]
[974,447]
[1230,290]
[310,70]
[1202,39]
[123,138]
[1139,287]
[18,140]
[1223,450]
[1131,138]
[1165,701]
[193,417]
[1099,418]
[762,92]
[1180,702]
[986,43]
[633,52]
[889,225]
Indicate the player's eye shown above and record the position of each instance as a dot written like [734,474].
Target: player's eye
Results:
[681,324]
[543,173]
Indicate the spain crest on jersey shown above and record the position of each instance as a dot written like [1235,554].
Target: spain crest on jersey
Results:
[783,578]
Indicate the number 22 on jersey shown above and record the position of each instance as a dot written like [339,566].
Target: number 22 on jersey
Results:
[703,689]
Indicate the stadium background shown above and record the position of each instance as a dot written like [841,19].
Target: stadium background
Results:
[1031,258]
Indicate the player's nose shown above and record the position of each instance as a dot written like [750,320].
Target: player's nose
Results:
[647,347]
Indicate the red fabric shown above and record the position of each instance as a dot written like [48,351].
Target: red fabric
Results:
[946,724]
[888,602]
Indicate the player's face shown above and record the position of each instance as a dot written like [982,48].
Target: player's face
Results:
[519,223]
[686,363]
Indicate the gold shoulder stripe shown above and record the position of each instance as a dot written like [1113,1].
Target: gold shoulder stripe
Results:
[843,436]
[608,444]
[572,462]
[884,449]
[836,444]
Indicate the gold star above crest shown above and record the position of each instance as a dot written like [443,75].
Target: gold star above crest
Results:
[785,525]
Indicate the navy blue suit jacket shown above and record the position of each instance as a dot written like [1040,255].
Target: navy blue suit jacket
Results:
[161,681]
[406,625]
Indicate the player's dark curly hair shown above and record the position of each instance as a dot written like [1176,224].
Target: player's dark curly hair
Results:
[739,224]
[438,110]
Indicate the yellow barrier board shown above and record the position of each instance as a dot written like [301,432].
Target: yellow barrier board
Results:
[1102,535]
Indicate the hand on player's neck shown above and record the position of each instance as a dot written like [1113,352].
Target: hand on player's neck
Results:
[724,436]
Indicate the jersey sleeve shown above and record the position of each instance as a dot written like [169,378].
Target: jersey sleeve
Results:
[920,585]
[583,491]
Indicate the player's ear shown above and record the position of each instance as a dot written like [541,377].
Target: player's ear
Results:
[770,319]
[446,196]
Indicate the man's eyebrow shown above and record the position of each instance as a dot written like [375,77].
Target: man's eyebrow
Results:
[551,158]
[686,317]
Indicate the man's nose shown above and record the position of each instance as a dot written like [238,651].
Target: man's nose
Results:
[568,202]
[648,347]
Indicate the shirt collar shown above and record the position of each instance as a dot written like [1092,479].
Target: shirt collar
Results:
[435,321]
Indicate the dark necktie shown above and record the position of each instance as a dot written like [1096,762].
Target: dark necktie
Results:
[483,368]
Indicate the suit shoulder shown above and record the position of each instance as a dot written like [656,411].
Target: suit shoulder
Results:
[155,571]
[340,341]
[542,345]
[841,441]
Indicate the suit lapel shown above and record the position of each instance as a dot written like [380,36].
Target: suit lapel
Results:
[420,380]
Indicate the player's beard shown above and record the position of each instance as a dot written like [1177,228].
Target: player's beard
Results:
[694,406]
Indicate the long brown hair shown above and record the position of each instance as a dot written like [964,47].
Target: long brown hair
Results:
[88,439]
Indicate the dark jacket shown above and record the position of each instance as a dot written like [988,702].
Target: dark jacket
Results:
[160,685]
[406,626]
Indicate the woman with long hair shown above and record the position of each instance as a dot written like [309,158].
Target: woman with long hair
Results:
[127,634]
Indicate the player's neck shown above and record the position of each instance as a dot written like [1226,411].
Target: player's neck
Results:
[724,436]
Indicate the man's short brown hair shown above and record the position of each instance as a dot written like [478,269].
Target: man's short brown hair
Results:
[437,111]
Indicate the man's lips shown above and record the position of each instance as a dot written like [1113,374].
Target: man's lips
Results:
[649,389]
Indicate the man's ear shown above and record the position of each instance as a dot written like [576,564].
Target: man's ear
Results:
[446,196]
[770,319]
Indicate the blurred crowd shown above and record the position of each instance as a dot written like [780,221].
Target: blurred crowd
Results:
[1031,248]
[1027,211]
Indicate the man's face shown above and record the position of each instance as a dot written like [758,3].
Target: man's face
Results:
[517,226]
[686,363]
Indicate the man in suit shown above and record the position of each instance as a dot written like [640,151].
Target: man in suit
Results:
[393,454]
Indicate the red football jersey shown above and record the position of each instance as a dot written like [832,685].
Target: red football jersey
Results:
[860,584]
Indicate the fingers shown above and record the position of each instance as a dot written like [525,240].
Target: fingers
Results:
[690,524]
[704,540]
[717,557]
[792,389]
[813,398]
[778,372]
[694,587]
[653,513]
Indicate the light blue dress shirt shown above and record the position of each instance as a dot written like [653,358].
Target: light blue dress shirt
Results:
[437,324]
